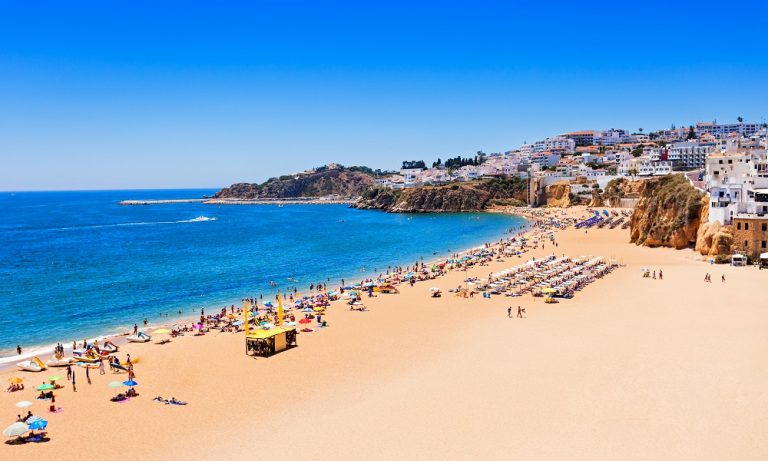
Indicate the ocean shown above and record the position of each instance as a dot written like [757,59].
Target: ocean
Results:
[77,264]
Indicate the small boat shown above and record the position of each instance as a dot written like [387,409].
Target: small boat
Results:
[60,361]
[139,338]
[33,364]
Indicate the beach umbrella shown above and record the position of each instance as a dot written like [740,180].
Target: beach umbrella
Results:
[45,387]
[15,380]
[54,378]
[161,331]
[15,430]
[24,404]
[38,424]
[434,289]
[305,320]
[130,383]
[115,384]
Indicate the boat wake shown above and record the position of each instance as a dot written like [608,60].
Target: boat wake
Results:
[148,223]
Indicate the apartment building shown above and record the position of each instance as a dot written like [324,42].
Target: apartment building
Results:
[720,130]
[750,235]
[737,182]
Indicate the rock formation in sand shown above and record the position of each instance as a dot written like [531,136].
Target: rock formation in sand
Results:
[668,213]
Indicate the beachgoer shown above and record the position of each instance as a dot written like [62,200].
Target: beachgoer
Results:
[18,350]
[509,311]
[69,372]
[723,278]
[519,312]
[101,367]
[74,382]
[88,375]
[135,328]
[661,275]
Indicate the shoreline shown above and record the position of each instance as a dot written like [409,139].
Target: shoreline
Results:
[28,351]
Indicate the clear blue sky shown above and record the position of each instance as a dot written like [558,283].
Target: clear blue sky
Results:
[135,94]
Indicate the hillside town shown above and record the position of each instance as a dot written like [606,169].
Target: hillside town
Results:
[729,162]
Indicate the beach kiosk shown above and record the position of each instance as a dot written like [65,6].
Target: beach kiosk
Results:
[268,342]
[738,260]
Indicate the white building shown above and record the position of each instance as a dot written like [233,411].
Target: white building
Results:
[467,173]
[545,159]
[737,182]
[688,154]
[410,175]
[555,143]
[612,137]
[720,130]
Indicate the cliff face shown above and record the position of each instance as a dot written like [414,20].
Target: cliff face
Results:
[668,213]
[470,196]
[321,183]
[558,194]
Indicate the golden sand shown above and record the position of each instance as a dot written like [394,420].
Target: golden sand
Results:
[630,368]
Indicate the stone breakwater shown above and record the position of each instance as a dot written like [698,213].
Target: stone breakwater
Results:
[230,201]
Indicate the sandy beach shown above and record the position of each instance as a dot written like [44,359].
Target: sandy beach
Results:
[630,368]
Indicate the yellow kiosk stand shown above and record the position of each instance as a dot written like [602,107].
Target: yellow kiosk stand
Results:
[268,342]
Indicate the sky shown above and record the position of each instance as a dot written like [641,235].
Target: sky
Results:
[121,95]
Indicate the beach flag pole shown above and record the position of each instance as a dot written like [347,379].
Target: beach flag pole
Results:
[245,314]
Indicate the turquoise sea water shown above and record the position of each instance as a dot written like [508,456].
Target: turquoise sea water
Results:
[76,264]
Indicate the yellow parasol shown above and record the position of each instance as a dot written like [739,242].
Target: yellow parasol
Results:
[161,331]
[15,380]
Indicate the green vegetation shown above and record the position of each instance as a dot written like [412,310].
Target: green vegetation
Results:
[408,164]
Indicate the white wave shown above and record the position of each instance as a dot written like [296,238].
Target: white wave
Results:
[149,223]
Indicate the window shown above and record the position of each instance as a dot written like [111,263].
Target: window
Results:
[738,226]
[764,227]
[746,226]
[746,244]
[762,244]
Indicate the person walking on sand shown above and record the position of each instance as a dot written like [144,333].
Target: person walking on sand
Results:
[74,382]
[519,312]
[101,367]
[654,275]
[661,275]
[509,312]
[723,278]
